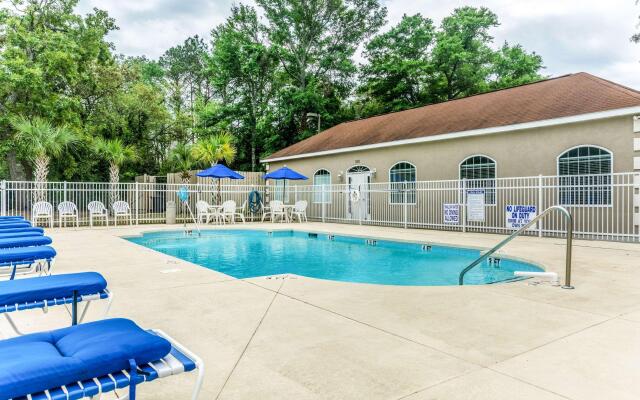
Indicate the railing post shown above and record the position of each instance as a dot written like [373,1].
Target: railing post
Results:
[463,185]
[64,196]
[324,202]
[404,206]
[4,207]
[540,200]
[295,193]
[137,203]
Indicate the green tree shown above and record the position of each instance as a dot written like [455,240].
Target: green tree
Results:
[399,64]
[39,141]
[116,153]
[216,148]
[415,64]
[181,160]
[315,41]
[244,67]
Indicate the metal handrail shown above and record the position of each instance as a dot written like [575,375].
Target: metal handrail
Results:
[569,230]
[195,220]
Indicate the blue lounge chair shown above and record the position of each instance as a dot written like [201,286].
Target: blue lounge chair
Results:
[26,233]
[12,218]
[28,241]
[21,230]
[26,260]
[16,224]
[90,359]
[54,290]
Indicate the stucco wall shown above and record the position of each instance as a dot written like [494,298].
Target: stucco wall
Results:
[520,153]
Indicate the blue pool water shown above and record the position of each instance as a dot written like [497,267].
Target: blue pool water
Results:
[251,253]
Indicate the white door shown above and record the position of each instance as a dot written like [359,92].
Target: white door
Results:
[358,196]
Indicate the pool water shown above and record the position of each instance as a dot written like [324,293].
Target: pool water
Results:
[252,253]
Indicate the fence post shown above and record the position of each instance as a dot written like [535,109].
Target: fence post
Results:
[540,199]
[137,203]
[324,201]
[295,193]
[3,187]
[64,196]
[404,206]
[463,185]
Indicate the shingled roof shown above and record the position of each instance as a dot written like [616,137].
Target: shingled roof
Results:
[564,96]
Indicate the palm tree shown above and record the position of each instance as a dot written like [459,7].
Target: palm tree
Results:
[40,141]
[213,149]
[181,159]
[116,153]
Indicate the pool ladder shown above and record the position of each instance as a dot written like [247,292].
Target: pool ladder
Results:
[569,233]
[195,221]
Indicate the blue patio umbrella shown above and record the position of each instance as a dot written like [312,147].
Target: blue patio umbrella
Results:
[219,171]
[285,174]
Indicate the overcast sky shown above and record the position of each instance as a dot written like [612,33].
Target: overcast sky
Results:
[571,35]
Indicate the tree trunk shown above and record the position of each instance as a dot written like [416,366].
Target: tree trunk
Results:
[41,171]
[114,178]
[16,171]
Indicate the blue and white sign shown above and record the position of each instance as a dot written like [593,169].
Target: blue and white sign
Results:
[451,214]
[517,216]
[475,205]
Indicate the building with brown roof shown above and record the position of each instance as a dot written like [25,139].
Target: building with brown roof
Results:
[523,129]
[571,125]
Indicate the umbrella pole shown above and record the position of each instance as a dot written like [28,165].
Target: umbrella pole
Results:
[219,197]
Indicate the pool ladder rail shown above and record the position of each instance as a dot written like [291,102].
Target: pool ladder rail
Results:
[569,233]
[189,232]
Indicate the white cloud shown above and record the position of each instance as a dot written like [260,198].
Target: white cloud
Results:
[570,35]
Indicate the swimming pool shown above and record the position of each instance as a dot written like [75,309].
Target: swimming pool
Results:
[252,253]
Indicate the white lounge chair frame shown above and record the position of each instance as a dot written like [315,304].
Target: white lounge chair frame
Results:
[67,210]
[42,210]
[97,210]
[121,209]
[64,301]
[41,267]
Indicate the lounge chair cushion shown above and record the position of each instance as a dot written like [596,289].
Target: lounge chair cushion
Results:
[12,225]
[6,243]
[26,233]
[47,360]
[50,287]
[24,229]
[26,254]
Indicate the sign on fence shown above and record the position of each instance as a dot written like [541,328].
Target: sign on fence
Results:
[475,205]
[517,216]
[451,214]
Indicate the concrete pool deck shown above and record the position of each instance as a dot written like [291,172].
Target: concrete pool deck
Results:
[299,338]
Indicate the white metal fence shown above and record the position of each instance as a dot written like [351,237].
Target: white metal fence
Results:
[605,207]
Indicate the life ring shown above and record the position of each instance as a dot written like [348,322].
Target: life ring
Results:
[255,201]
[354,195]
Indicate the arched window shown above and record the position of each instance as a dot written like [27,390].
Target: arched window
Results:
[402,183]
[321,186]
[480,172]
[585,176]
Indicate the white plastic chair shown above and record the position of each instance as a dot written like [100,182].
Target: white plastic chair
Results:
[42,210]
[121,209]
[276,209]
[97,210]
[266,211]
[299,210]
[229,210]
[67,210]
[204,213]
